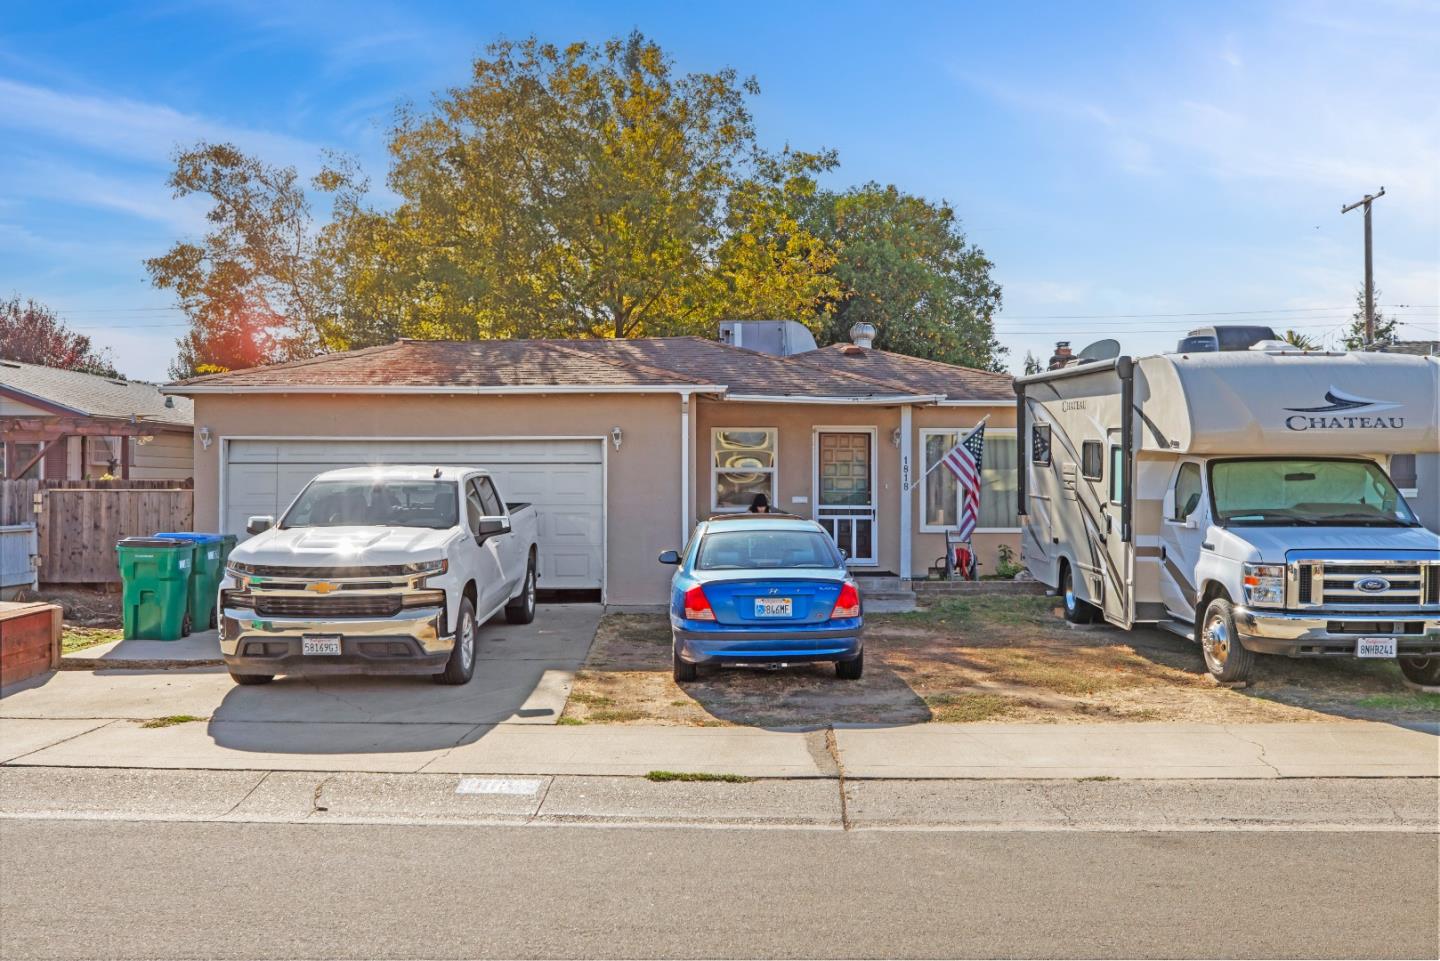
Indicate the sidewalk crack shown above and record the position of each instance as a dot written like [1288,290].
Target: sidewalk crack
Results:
[1259,750]
[832,747]
[263,778]
[63,740]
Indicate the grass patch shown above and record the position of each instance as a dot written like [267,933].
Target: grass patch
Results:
[569,721]
[1098,777]
[592,700]
[662,776]
[1009,610]
[966,708]
[1407,702]
[77,638]
[622,716]
[171,720]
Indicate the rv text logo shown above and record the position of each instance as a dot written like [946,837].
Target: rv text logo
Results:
[1343,411]
[1372,585]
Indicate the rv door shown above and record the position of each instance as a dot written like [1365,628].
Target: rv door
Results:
[1119,550]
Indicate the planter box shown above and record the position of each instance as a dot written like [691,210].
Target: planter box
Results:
[29,640]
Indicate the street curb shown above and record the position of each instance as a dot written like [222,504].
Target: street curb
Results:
[72,663]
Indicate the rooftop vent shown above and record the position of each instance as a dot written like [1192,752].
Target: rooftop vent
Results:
[782,338]
[862,335]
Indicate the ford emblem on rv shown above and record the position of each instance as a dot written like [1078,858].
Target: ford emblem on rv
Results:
[1372,585]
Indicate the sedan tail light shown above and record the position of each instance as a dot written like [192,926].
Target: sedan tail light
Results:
[848,603]
[697,605]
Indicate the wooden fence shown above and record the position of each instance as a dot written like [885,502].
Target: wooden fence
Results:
[78,522]
[17,501]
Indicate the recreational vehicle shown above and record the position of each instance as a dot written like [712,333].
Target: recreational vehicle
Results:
[1238,498]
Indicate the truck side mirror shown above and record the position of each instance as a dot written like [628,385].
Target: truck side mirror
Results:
[670,557]
[491,526]
[259,524]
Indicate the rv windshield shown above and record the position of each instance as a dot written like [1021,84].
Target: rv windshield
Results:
[1306,493]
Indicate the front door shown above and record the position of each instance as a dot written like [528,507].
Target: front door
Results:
[845,491]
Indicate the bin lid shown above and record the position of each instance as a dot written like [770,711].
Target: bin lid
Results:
[191,536]
[153,542]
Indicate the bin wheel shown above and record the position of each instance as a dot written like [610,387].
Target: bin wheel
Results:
[186,626]
[245,680]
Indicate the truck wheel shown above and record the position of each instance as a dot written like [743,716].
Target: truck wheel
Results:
[852,669]
[1424,671]
[246,680]
[521,609]
[1076,610]
[684,671]
[1225,656]
[461,666]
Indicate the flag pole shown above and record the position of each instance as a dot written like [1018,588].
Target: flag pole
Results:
[957,444]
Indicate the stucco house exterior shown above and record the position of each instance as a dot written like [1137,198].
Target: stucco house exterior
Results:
[68,425]
[622,444]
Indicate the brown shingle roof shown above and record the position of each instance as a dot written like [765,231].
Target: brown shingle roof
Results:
[915,374]
[659,362]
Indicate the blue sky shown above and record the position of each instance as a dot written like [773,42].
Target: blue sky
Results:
[1121,163]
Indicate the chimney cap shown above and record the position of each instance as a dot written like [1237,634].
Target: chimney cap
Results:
[862,334]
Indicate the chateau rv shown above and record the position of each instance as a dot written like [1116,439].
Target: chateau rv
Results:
[1244,502]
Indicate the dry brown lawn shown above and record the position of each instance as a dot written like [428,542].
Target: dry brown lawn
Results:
[977,659]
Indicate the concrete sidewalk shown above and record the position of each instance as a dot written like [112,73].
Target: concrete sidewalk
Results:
[1354,749]
[201,649]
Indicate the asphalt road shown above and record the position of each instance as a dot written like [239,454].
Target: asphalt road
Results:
[119,889]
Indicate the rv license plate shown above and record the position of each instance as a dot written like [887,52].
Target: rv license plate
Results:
[773,606]
[1375,647]
[324,644]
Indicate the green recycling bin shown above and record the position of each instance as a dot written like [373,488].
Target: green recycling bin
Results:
[155,579]
[205,575]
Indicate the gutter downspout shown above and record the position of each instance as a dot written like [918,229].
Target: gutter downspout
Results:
[906,472]
[685,484]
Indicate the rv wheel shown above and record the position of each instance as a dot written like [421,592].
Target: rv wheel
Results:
[1424,671]
[1076,610]
[1225,656]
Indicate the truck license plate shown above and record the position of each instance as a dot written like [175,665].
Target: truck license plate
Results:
[1375,647]
[773,606]
[325,644]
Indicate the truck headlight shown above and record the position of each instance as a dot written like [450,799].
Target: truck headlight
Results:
[1265,585]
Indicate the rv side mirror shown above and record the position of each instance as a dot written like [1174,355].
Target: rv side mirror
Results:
[259,524]
[670,557]
[1169,505]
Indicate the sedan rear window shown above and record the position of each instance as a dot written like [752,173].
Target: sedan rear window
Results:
[765,550]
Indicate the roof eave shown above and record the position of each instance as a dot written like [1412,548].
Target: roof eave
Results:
[881,400]
[441,389]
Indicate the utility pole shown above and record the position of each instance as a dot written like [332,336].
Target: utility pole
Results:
[1369,265]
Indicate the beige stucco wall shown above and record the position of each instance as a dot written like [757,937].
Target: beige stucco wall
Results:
[796,424]
[643,481]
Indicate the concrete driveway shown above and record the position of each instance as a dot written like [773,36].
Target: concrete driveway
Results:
[523,675]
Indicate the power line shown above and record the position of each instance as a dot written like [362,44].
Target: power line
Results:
[1204,313]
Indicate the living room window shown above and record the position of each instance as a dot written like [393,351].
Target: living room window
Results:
[940,493]
[742,464]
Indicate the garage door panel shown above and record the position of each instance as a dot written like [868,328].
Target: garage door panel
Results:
[563,478]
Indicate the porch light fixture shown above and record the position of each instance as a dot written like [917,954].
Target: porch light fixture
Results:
[205,438]
[144,439]
[895,437]
[617,437]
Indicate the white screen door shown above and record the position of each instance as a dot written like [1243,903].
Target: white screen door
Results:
[845,491]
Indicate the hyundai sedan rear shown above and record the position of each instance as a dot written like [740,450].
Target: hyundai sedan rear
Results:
[763,591]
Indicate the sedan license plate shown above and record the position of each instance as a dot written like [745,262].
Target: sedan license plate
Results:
[1375,647]
[323,644]
[774,606]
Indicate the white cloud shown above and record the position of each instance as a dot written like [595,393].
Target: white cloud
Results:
[131,129]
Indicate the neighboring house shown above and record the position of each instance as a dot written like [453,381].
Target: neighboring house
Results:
[1418,475]
[623,444]
[66,425]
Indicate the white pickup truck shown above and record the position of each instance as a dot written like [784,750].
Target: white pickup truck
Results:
[378,570]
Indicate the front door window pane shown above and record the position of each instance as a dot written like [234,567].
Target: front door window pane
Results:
[845,470]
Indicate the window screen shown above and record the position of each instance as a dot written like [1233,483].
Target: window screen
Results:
[1040,444]
[1091,464]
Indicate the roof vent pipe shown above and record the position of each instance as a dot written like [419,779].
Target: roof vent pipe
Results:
[862,334]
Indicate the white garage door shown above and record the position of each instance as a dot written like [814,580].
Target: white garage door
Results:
[562,478]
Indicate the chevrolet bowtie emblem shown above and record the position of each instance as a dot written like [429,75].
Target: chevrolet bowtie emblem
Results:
[322,587]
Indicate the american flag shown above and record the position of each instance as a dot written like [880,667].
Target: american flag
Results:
[964,462]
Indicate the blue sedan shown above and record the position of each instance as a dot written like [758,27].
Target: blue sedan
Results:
[759,589]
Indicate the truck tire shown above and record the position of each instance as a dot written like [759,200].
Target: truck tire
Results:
[246,680]
[521,609]
[1076,610]
[461,666]
[684,672]
[852,669]
[1424,671]
[1226,658]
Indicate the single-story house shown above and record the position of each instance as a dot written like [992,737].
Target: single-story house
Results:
[623,444]
[67,425]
